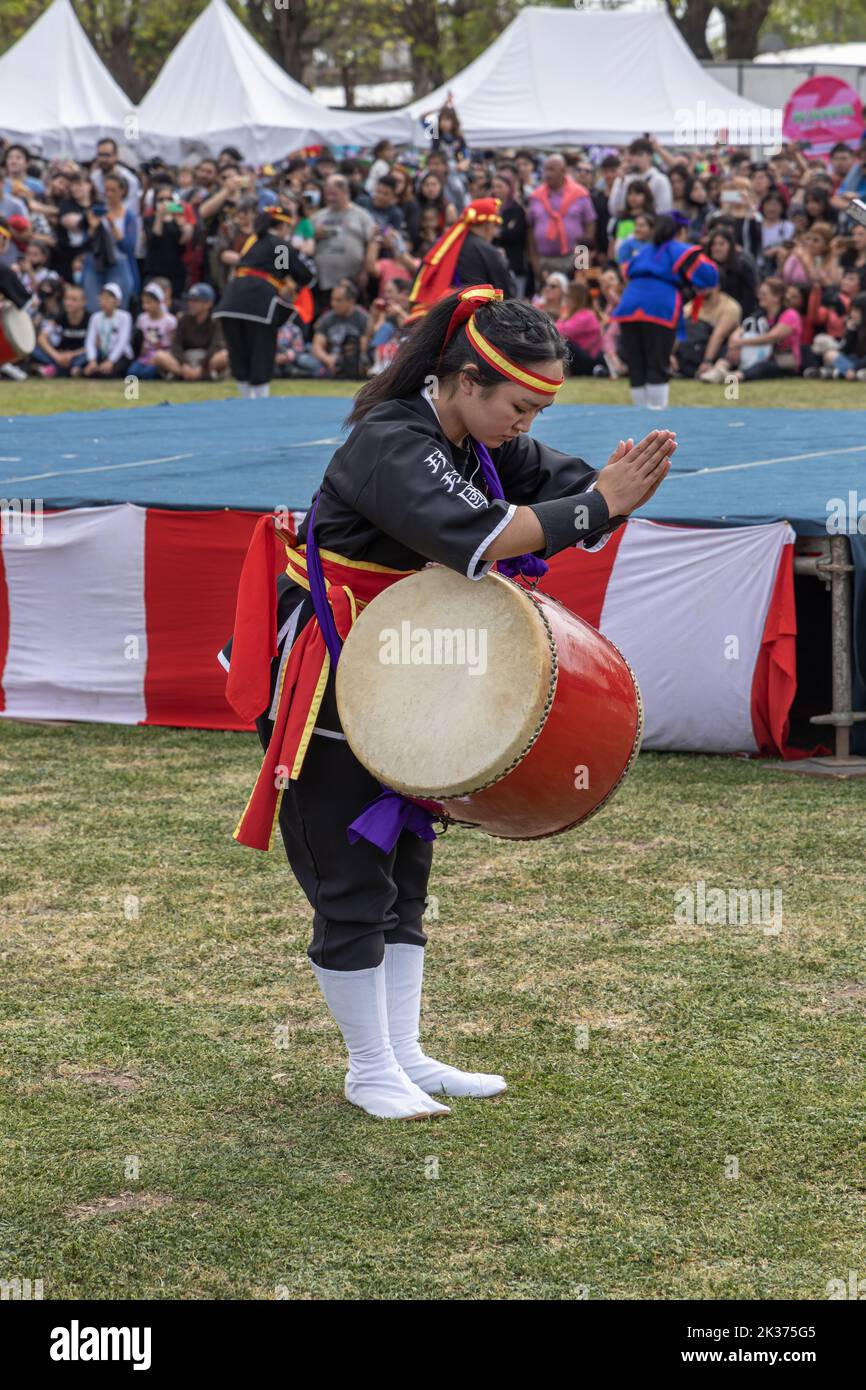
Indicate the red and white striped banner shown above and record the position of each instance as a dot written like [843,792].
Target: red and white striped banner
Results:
[115,614]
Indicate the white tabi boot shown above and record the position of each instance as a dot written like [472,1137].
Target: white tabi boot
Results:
[657,396]
[374,1082]
[638,395]
[404,977]
[244,388]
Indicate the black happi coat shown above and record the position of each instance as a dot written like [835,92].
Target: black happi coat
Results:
[400,493]
[250,297]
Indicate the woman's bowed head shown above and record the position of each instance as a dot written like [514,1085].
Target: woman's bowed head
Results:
[498,364]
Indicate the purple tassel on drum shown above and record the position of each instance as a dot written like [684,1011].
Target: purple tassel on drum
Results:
[530,566]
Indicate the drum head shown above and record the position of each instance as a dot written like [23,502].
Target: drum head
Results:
[18,330]
[444,682]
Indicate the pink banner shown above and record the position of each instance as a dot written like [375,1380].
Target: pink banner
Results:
[823,111]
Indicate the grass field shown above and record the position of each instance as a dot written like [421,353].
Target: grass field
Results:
[37,397]
[171,1082]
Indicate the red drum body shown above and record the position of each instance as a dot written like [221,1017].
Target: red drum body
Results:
[519,719]
[17,334]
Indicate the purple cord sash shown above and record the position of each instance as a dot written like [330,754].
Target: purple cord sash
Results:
[384,819]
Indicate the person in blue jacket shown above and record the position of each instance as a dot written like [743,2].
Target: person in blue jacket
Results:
[650,312]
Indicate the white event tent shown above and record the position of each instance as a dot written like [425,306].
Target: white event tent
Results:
[574,76]
[220,87]
[56,93]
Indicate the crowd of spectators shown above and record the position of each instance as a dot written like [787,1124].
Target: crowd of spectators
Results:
[125,264]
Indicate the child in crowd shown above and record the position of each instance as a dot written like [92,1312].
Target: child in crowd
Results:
[154,328]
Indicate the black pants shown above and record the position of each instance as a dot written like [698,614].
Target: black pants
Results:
[252,347]
[361,897]
[646,350]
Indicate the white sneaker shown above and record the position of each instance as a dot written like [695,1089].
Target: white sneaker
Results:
[404,977]
[374,1082]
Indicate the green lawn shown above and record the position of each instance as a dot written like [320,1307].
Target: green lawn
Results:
[37,397]
[171,1082]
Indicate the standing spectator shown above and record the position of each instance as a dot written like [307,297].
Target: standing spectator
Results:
[383,158]
[514,232]
[107,163]
[73,233]
[198,351]
[432,198]
[383,206]
[600,194]
[155,328]
[452,182]
[448,140]
[526,174]
[108,344]
[775,229]
[10,207]
[342,231]
[167,235]
[812,260]
[740,211]
[60,344]
[638,203]
[561,216]
[233,236]
[854,256]
[639,165]
[113,238]
[407,202]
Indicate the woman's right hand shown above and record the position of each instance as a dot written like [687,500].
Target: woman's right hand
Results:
[634,471]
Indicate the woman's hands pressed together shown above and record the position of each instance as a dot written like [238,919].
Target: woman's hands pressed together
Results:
[634,471]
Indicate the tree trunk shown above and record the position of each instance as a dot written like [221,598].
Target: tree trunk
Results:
[743,26]
[693,25]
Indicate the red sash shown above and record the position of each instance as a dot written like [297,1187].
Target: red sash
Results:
[351,584]
[571,191]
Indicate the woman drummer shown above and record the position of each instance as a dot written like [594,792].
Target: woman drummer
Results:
[438,467]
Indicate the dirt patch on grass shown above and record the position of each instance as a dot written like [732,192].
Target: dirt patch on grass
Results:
[97,1076]
[124,1201]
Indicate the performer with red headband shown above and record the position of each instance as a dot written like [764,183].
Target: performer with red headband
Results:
[463,255]
[257,300]
[438,467]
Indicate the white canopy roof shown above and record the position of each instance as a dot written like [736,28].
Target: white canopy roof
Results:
[834,54]
[569,76]
[220,87]
[55,92]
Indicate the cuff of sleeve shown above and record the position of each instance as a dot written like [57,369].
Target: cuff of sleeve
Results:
[569,521]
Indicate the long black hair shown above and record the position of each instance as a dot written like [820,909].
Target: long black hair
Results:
[521,333]
[664,229]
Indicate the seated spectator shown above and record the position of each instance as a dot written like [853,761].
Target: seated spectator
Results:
[60,344]
[388,315]
[389,258]
[783,337]
[551,297]
[581,328]
[407,202]
[812,260]
[154,332]
[108,343]
[846,360]
[610,287]
[291,344]
[737,272]
[710,319]
[339,337]
[198,352]
[853,257]
[776,229]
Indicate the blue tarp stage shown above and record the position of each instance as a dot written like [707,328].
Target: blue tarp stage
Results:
[733,466]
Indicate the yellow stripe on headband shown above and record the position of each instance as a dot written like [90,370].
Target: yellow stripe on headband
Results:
[504,364]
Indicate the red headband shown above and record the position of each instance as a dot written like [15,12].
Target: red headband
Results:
[470,299]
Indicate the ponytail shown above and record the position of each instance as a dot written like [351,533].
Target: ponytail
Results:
[665,229]
[522,333]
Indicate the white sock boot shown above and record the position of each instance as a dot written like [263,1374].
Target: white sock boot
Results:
[638,395]
[657,396]
[404,976]
[244,388]
[259,392]
[374,1081]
